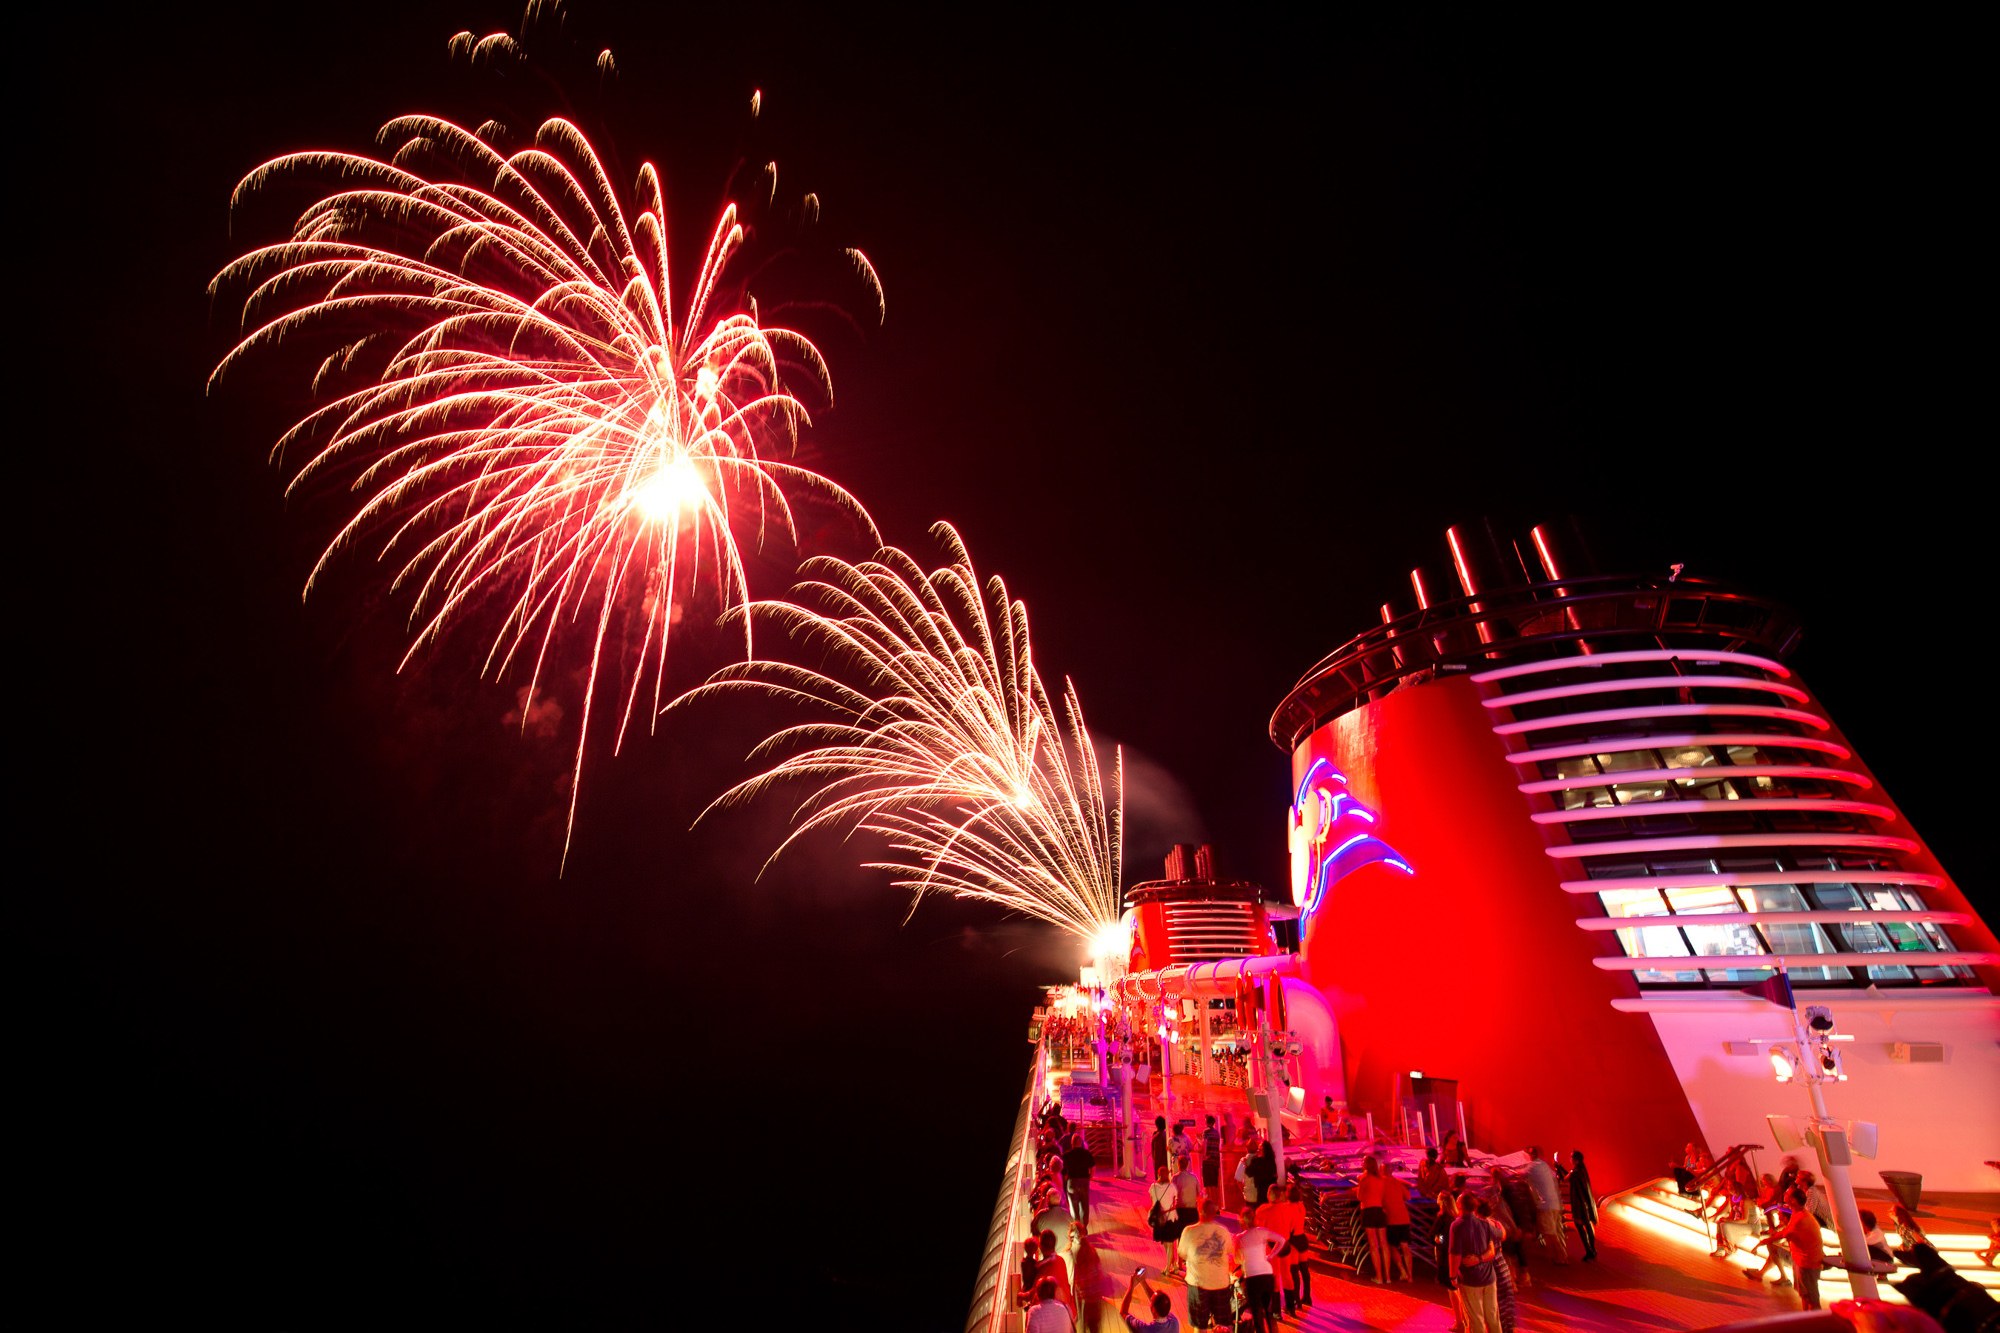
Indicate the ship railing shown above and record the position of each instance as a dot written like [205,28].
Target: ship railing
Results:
[992,1309]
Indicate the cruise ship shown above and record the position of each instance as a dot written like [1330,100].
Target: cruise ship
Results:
[1578,860]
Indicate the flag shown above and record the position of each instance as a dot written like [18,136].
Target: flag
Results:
[1778,990]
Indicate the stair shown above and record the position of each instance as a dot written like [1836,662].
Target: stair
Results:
[1659,1208]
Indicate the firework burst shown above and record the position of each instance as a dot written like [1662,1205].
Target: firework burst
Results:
[531,428]
[931,725]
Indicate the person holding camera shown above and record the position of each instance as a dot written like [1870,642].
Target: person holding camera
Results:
[1161,1304]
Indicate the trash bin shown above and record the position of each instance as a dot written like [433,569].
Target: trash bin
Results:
[1907,1186]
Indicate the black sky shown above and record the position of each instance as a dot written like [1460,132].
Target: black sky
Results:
[1200,330]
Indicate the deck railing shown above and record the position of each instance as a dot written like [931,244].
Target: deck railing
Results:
[992,1308]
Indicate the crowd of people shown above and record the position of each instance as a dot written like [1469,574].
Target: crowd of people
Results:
[1257,1273]
[1486,1234]
[1484,1241]
[1786,1216]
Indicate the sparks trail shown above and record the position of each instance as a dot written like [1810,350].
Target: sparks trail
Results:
[533,431]
[931,725]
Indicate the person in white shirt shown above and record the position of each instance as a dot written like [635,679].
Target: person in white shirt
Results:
[1165,1218]
[1208,1253]
[1180,1149]
[1548,1206]
[1047,1314]
[1254,1249]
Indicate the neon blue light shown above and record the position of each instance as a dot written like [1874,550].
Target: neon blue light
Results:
[1353,853]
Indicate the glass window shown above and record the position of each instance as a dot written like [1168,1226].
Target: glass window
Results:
[1773,898]
[1721,940]
[1624,761]
[1638,793]
[1793,937]
[1582,766]
[1581,798]
[1690,756]
[1707,789]
[1748,754]
[1660,940]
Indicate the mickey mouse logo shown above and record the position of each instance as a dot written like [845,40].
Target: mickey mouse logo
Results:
[1326,843]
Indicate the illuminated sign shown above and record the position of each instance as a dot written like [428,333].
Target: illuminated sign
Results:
[1325,847]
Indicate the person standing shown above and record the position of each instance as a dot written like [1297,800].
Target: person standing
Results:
[1208,1252]
[1817,1203]
[1431,1175]
[1187,1200]
[1582,1205]
[1447,1213]
[1396,1209]
[1287,1215]
[1256,1251]
[1505,1296]
[1180,1149]
[1164,1217]
[1472,1256]
[1513,1218]
[1160,1146]
[1801,1232]
[1262,1172]
[1369,1190]
[1047,1314]
[1548,1206]
[1211,1158]
[1049,1268]
[1077,1163]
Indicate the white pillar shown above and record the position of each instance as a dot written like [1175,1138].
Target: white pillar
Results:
[1829,1141]
[1207,1044]
[1267,1074]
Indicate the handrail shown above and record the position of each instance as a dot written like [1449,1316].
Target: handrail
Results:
[1516,622]
[992,1293]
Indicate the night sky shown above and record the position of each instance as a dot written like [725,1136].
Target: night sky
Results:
[1200,331]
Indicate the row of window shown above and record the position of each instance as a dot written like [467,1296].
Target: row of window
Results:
[1774,751]
[1760,786]
[1673,929]
[1651,696]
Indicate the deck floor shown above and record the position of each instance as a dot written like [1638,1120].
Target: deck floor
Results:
[1640,1280]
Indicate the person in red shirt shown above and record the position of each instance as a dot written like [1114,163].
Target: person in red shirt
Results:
[1050,1268]
[1287,1216]
[1801,1232]
[1396,1208]
[1370,1192]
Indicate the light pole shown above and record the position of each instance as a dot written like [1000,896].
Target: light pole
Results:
[1816,1063]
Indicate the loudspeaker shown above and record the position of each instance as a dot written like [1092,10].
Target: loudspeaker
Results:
[1862,1135]
[1785,1132]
